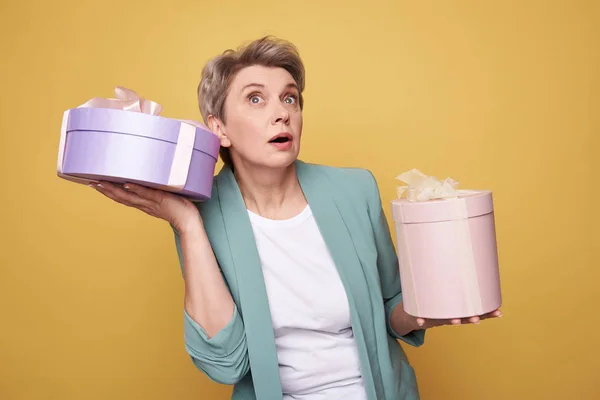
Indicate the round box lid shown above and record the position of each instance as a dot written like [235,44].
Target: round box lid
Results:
[469,204]
[139,124]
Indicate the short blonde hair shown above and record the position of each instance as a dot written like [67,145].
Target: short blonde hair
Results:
[220,71]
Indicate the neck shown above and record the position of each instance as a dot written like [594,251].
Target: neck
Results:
[273,193]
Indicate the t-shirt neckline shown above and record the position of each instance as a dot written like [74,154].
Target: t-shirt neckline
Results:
[296,219]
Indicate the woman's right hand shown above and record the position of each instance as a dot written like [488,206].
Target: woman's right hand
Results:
[180,212]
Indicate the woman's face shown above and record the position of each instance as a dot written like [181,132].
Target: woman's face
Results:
[263,118]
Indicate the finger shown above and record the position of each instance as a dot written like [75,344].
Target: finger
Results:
[109,190]
[440,322]
[144,192]
[478,319]
[493,314]
[121,195]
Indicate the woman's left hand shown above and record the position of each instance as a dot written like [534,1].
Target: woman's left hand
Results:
[423,323]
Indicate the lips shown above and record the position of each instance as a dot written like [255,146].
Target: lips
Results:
[282,137]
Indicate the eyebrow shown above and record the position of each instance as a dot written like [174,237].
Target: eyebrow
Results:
[260,85]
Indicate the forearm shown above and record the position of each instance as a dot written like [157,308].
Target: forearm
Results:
[403,323]
[207,298]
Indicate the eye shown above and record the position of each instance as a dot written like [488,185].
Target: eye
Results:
[255,98]
[291,99]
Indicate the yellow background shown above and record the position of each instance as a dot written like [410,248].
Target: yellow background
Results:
[499,95]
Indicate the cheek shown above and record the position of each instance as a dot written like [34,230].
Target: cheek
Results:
[297,122]
[245,131]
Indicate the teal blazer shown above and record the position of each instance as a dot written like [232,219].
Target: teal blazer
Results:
[347,208]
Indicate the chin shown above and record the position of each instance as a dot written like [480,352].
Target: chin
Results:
[275,160]
[281,160]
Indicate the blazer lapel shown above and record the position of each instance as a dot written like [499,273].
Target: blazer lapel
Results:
[327,210]
[252,291]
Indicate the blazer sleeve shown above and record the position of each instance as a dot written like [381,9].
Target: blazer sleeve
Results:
[222,357]
[387,264]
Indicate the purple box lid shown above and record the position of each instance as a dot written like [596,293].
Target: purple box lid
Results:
[139,124]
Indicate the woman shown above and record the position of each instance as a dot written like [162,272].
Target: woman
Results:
[292,287]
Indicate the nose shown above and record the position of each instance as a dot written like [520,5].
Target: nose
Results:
[281,114]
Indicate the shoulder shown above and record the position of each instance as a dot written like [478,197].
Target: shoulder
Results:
[342,172]
[358,182]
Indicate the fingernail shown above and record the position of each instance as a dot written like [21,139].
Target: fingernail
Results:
[127,187]
[100,185]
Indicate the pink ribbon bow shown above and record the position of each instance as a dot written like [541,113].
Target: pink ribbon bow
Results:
[126,100]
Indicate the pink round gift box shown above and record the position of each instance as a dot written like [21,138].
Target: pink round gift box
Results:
[125,146]
[448,257]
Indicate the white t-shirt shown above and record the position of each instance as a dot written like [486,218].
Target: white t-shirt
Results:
[318,358]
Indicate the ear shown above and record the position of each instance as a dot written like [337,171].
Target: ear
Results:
[218,128]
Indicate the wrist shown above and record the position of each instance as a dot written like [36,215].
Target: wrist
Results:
[412,322]
[191,226]
[402,322]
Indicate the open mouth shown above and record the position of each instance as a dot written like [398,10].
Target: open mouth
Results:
[281,139]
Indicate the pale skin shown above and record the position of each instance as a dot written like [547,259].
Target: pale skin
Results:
[261,103]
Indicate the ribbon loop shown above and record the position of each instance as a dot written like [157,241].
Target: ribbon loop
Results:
[421,187]
[126,100]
